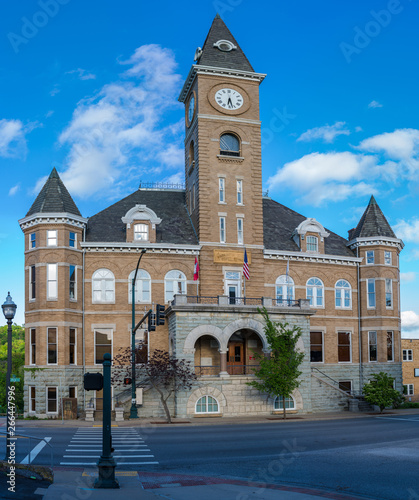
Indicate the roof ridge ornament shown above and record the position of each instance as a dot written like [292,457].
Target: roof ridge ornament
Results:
[225,45]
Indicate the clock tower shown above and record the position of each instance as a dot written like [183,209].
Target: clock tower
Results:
[223,170]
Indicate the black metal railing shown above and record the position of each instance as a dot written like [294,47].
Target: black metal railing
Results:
[241,369]
[199,299]
[286,303]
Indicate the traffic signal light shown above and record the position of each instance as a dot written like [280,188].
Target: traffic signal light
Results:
[160,314]
[93,381]
[152,322]
[127,381]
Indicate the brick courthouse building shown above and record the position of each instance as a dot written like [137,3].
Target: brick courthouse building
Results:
[343,293]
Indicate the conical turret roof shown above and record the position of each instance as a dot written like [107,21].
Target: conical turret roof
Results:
[372,223]
[54,198]
[214,57]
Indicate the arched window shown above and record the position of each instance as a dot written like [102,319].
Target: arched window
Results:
[312,244]
[343,294]
[315,292]
[142,287]
[229,145]
[141,232]
[174,283]
[191,154]
[284,290]
[103,286]
[207,404]
[279,403]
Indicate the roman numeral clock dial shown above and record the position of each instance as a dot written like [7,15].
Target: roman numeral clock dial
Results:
[229,99]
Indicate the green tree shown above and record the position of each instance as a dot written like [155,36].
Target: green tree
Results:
[18,362]
[278,374]
[379,391]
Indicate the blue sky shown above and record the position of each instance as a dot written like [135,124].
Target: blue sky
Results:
[91,88]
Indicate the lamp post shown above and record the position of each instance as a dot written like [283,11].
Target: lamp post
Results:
[9,311]
[134,412]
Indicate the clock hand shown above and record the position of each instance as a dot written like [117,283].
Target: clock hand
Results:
[229,102]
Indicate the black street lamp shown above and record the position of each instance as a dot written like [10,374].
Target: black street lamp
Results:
[134,412]
[9,311]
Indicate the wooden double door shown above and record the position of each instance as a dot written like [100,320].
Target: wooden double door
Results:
[235,358]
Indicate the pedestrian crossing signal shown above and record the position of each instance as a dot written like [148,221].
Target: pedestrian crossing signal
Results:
[127,381]
[93,381]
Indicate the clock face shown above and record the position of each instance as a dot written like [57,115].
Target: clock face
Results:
[229,99]
[191,108]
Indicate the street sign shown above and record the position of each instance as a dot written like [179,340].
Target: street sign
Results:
[14,379]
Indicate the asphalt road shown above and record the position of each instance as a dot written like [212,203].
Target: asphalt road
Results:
[377,457]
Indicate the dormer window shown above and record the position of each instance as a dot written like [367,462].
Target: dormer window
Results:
[229,145]
[141,232]
[312,244]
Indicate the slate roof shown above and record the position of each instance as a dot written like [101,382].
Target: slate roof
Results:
[54,198]
[176,226]
[279,223]
[372,223]
[212,56]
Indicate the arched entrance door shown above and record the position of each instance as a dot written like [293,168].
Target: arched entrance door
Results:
[242,347]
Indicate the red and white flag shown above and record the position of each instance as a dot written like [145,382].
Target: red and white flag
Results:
[246,266]
[196,270]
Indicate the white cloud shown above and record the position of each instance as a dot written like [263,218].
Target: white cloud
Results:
[327,133]
[408,230]
[326,176]
[82,74]
[13,190]
[12,139]
[375,104]
[402,144]
[358,129]
[407,277]
[410,324]
[121,128]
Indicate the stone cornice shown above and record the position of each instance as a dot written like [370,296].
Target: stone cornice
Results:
[129,247]
[376,240]
[52,218]
[310,257]
[224,72]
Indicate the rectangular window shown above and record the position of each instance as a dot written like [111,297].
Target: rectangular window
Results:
[370,256]
[345,385]
[409,389]
[240,231]
[32,283]
[239,192]
[32,399]
[312,244]
[52,238]
[52,289]
[73,287]
[193,196]
[32,243]
[72,391]
[344,347]
[371,292]
[32,348]
[73,347]
[52,400]
[221,189]
[52,346]
[372,346]
[103,344]
[407,355]
[72,239]
[316,347]
[222,229]
[389,293]
[141,232]
[387,258]
[390,346]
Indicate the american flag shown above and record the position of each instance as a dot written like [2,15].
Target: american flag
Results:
[246,266]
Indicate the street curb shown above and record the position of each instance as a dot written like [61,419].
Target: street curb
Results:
[39,472]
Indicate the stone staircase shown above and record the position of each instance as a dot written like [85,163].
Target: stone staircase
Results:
[364,406]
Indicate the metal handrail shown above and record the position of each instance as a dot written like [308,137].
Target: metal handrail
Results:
[350,393]
[30,447]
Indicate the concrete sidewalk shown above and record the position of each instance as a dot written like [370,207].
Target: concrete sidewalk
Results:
[152,486]
[197,421]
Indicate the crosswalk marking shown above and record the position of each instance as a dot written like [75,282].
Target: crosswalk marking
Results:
[129,447]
